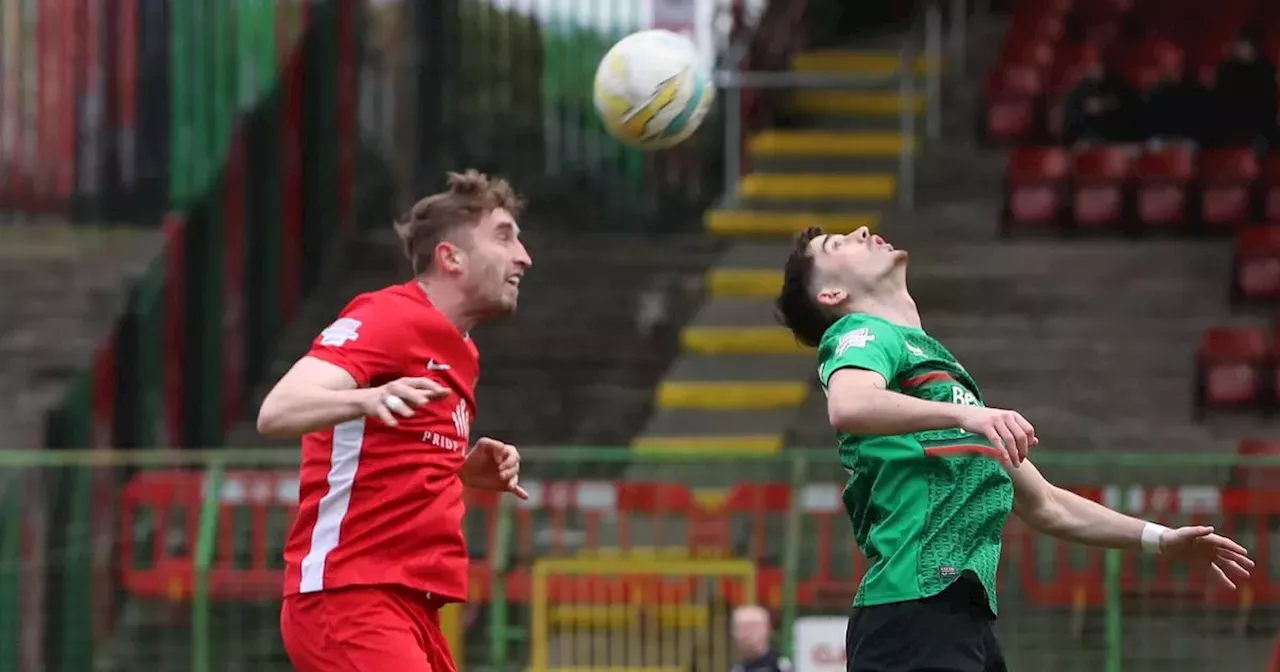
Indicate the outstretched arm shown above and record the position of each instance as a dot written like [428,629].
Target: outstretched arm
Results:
[1066,515]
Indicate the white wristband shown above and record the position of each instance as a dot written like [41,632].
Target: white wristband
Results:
[1151,535]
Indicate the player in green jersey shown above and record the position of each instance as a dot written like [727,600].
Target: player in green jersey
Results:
[932,473]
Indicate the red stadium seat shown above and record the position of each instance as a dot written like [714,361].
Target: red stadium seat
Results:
[1100,177]
[1145,63]
[1257,263]
[1226,178]
[1269,188]
[1162,177]
[1229,367]
[1034,183]
[1031,51]
[1163,17]
[1102,11]
[1012,95]
[1031,16]
[1141,76]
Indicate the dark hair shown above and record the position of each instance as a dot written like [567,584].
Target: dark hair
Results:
[470,196]
[796,307]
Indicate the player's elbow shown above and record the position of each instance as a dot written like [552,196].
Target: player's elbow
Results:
[273,421]
[269,423]
[847,414]
[1044,512]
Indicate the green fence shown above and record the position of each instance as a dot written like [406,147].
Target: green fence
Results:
[170,560]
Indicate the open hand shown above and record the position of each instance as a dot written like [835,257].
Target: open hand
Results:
[493,465]
[1197,545]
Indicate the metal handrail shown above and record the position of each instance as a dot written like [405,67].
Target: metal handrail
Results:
[732,80]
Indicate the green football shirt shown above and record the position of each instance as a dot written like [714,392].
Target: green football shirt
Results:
[928,507]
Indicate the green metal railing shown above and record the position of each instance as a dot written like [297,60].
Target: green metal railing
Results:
[200,630]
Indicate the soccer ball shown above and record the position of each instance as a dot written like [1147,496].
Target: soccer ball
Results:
[651,90]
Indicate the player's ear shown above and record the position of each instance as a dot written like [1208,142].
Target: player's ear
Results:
[449,257]
[832,296]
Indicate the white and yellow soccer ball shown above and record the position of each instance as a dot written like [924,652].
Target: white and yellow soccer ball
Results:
[651,90]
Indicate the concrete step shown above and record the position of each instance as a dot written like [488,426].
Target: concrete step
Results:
[955,324]
[741,369]
[844,205]
[849,189]
[826,165]
[718,312]
[696,423]
[883,63]
[844,103]
[782,224]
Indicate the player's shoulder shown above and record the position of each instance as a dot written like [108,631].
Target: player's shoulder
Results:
[858,330]
[401,303]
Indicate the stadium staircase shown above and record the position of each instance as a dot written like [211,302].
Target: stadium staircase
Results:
[67,285]
[740,379]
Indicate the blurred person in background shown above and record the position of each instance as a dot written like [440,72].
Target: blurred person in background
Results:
[1245,96]
[1179,107]
[1102,107]
[753,638]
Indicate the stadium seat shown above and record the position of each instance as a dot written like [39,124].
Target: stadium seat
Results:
[1161,17]
[1100,177]
[1229,368]
[1141,76]
[1143,64]
[1226,178]
[1162,176]
[1034,182]
[1269,188]
[1030,50]
[1012,96]
[1095,12]
[1256,262]
[1037,17]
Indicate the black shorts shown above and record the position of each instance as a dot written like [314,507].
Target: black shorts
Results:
[953,631]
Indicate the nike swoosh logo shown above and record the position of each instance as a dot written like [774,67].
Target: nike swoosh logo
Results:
[432,366]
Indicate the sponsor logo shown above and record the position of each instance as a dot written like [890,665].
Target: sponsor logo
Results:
[858,338]
[343,330]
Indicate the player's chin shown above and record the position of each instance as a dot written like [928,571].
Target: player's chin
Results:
[507,301]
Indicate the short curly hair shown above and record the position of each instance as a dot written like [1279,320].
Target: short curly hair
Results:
[796,307]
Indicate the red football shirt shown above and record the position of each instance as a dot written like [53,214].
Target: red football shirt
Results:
[380,504]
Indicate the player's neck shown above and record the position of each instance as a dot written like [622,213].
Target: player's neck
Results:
[451,303]
[893,305]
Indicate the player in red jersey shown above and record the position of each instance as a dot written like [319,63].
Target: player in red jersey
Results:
[384,403]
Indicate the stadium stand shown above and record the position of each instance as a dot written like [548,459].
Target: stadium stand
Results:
[1101,342]
[66,286]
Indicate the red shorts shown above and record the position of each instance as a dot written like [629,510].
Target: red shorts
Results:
[364,629]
